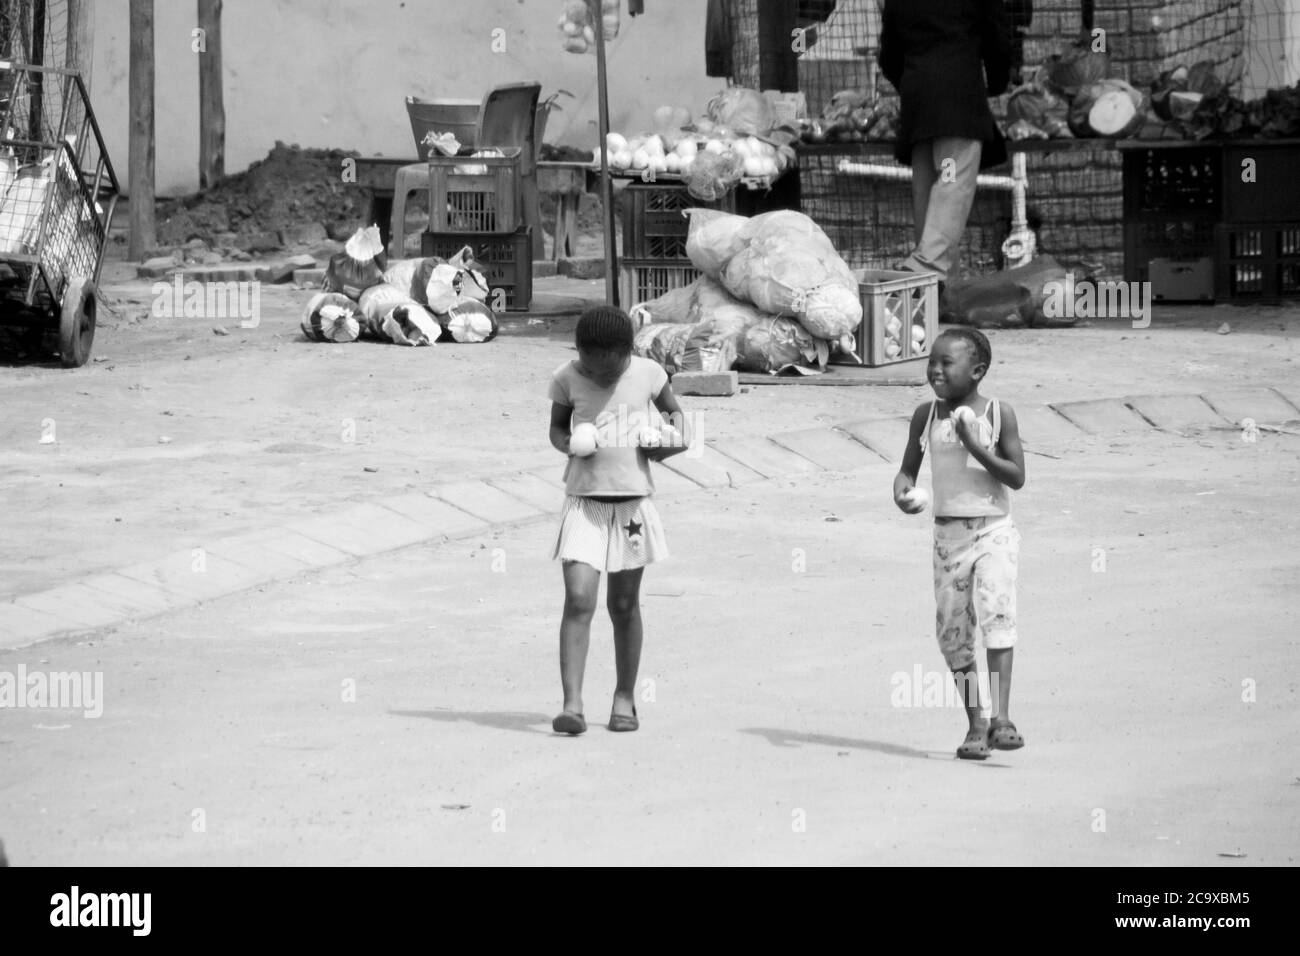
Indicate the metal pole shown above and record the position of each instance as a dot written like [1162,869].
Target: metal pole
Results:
[606,185]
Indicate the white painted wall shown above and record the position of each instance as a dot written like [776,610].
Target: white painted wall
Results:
[335,73]
[1273,51]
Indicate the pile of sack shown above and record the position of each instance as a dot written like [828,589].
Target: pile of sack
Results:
[775,296]
[406,302]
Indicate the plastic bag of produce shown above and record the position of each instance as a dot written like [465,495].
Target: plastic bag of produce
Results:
[774,344]
[360,265]
[785,277]
[665,344]
[470,321]
[673,306]
[393,316]
[1068,73]
[1039,110]
[331,317]
[1110,108]
[713,175]
[712,239]
[742,110]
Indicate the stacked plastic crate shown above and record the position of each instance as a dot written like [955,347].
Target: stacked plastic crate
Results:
[1173,201]
[1210,221]
[476,201]
[655,226]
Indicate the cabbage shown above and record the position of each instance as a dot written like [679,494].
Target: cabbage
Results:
[1069,73]
[743,111]
[1111,109]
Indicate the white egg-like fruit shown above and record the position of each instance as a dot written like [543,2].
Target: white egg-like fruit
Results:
[917,496]
[583,440]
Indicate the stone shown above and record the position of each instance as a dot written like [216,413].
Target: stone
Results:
[706,383]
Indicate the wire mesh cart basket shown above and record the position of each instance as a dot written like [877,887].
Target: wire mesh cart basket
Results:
[57,196]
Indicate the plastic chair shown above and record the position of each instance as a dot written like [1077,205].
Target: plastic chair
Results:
[507,117]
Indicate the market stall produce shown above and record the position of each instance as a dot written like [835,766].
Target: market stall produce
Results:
[406,302]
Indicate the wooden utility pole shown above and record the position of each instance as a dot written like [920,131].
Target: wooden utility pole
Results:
[81,39]
[212,110]
[144,231]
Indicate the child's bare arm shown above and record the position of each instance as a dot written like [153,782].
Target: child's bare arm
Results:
[905,480]
[667,404]
[561,415]
[1006,461]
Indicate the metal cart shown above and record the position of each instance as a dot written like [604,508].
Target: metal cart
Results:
[57,196]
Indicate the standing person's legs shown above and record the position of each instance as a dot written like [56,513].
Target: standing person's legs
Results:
[623,600]
[923,174]
[581,586]
[954,167]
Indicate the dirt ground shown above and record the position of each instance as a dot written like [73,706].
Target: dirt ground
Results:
[771,687]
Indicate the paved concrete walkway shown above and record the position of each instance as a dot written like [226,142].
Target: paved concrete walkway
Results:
[465,508]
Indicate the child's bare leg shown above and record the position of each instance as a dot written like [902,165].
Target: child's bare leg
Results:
[581,585]
[624,602]
[1000,679]
[967,681]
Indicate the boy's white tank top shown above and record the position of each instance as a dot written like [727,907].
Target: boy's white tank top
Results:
[963,488]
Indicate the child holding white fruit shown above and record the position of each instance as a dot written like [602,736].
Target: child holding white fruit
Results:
[607,411]
[976,457]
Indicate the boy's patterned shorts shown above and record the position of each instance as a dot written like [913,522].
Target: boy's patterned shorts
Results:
[976,561]
[610,536]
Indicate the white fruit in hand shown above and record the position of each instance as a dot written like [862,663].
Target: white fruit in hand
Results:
[965,414]
[917,496]
[670,437]
[650,437]
[583,440]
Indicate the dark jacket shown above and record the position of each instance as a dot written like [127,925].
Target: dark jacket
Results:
[937,54]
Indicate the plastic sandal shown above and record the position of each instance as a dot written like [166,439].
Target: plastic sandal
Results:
[567,723]
[1004,736]
[622,723]
[975,746]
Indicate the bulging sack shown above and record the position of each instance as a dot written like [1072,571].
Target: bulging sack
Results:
[393,316]
[331,317]
[665,344]
[774,344]
[471,321]
[713,238]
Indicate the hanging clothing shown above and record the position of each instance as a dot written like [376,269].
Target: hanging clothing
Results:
[937,53]
[717,40]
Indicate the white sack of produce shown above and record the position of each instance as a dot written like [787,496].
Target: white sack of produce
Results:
[790,267]
[1108,108]
[722,312]
[470,321]
[392,315]
[331,317]
[713,238]
[774,344]
[664,344]
[401,272]
[714,174]
[671,307]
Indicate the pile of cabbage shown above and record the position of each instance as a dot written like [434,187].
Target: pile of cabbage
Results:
[774,294]
[1074,94]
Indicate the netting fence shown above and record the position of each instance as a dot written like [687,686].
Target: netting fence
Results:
[1075,186]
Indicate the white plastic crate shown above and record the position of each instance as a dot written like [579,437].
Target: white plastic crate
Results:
[893,304]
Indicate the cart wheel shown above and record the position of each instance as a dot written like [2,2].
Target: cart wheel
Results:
[77,323]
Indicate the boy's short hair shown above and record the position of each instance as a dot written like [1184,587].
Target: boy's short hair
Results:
[977,339]
[605,329]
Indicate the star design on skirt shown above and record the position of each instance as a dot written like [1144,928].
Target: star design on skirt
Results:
[633,529]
